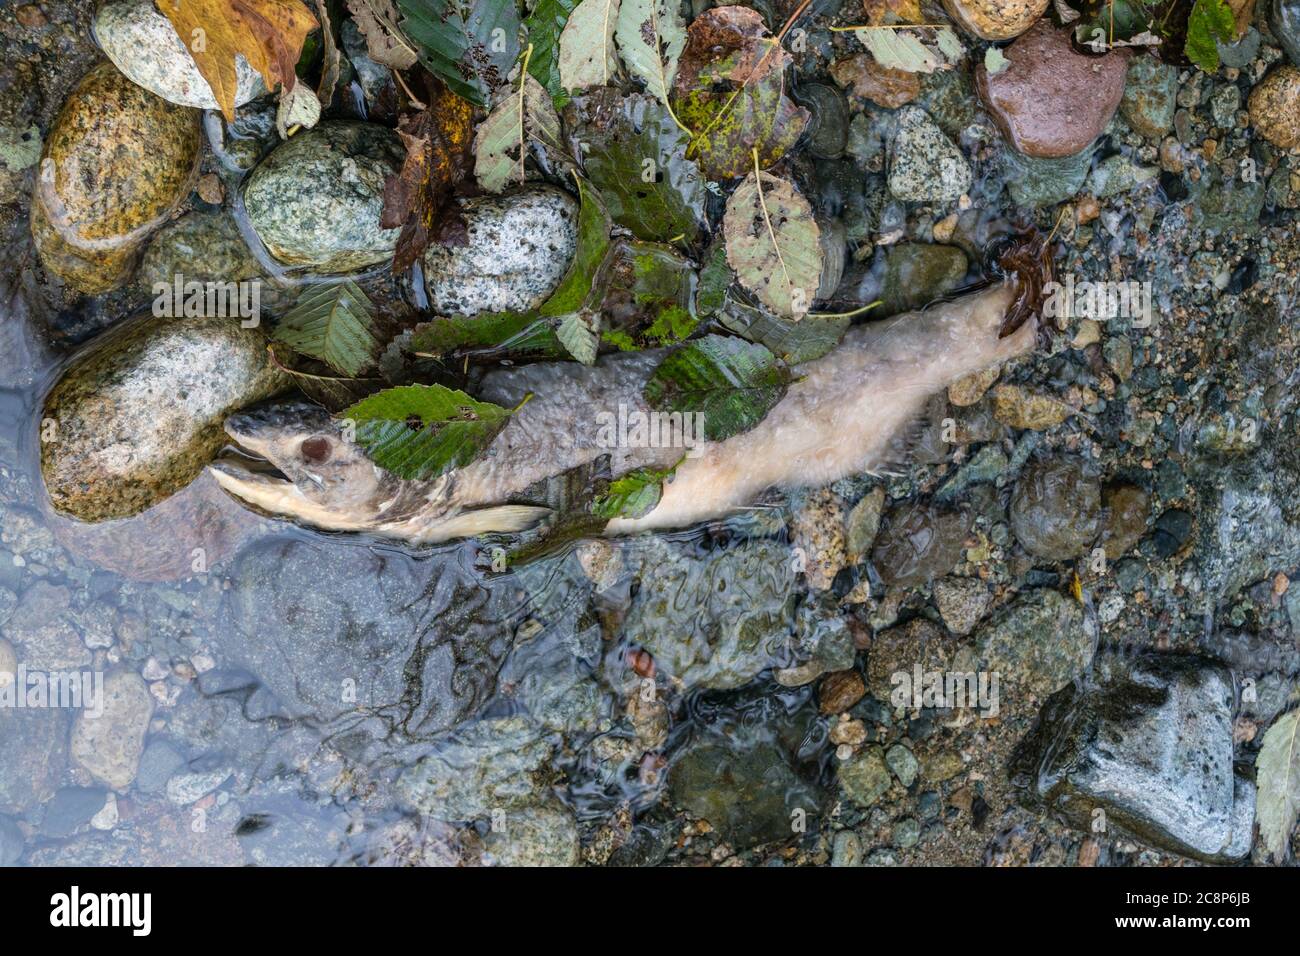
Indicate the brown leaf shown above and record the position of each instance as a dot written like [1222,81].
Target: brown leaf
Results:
[268,33]
[863,77]
[377,20]
[728,44]
[438,156]
[331,59]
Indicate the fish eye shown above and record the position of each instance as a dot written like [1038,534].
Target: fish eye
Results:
[315,450]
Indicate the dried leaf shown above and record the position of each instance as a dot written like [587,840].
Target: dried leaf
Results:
[862,76]
[420,195]
[331,58]
[501,145]
[892,11]
[298,107]
[774,244]
[587,54]
[385,43]
[269,34]
[578,337]
[915,51]
[651,36]
[1277,782]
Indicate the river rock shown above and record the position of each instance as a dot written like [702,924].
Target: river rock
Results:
[918,273]
[315,200]
[109,745]
[1055,509]
[1274,106]
[1050,101]
[744,784]
[140,413]
[924,164]
[520,246]
[536,834]
[483,766]
[1044,182]
[1150,96]
[1284,21]
[33,756]
[1036,645]
[995,19]
[918,542]
[420,642]
[116,163]
[144,45]
[1149,744]
[864,777]
[714,620]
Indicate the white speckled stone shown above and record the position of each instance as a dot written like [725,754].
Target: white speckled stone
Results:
[520,246]
[142,43]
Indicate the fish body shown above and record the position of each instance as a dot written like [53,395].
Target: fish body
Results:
[842,415]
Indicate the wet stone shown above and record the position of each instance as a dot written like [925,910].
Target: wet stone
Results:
[1275,107]
[519,247]
[1150,745]
[1036,101]
[1045,182]
[1055,509]
[109,745]
[995,19]
[925,165]
[315,200]
[541,834]
[1036,645]
[918,542]
[1149,96]
[961,602]
[864,777]
[917,274]
[70,809]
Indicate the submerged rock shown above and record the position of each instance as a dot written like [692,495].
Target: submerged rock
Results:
[1284,21]
[519,248]
[918,542]
[1045,182]
[1150,96]
[315,200]
[418,643]
[138,415]
[745,784]
[144,45]
[1055,509]
[1147,748]
[116,163]
[1275,107]
[1050,101]
[716,620]
[924,164]
[995,19]
[109,745]
[1036,645]
[535,834]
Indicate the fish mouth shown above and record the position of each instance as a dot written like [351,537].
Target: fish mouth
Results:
[259,484]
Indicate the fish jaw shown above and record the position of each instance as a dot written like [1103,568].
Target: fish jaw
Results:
[278,496]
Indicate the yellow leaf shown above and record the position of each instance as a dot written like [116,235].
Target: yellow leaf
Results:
[268,33]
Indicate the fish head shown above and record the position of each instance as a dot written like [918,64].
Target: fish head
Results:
[316,473]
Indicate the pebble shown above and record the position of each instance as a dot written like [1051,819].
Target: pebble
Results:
[1274,106]
[519,249]
[109,746]
[846,850]
[995,19]
[315,200]
[969,390]
[864,778]
[1051,102]
[1037,645]
[1126,509]
[925,165]
[1150,93]
[186,788]
[962,602]
[1019,407]
[903,763]
[863,523]
[840,691]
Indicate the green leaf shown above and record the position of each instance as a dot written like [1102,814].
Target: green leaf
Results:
[593,244]
[579,339]
[513,332]
[634,153]
[334,323]
[1210,20]
[1277,782]
[715,279]
[651,35]
[774,244]
[632,496]
[793,342]
[647,296]
[478,40]
[524,114]
[418,432]
[912,52]
[544,26]
[587,54]
[730,382]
